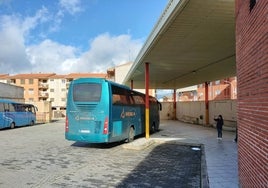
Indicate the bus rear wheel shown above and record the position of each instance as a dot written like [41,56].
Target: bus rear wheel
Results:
[12,125]
[131,134]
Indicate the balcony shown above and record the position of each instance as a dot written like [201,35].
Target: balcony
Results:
[43,95]
[43,86]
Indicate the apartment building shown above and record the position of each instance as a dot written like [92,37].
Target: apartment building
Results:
[57,92]
[48,87]
[35,85]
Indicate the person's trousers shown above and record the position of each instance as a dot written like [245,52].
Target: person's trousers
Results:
[219,132]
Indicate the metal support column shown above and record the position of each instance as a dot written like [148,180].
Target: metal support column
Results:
[174,104]
[206,103]
[147,130]
[131,86]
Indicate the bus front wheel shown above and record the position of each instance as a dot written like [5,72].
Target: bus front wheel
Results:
[131,134]
[12,125]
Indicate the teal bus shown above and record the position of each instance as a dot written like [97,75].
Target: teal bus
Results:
[101,111]
[14,114]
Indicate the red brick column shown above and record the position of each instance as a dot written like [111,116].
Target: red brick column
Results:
[252,75]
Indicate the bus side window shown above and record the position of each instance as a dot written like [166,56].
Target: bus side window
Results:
[123,99]
[131,100]
[116,99]
[2,109]
[138,99]
[12,108]
[119,96]
[6,107]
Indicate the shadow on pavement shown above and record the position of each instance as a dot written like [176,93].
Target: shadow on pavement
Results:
[99,146]
[168,165]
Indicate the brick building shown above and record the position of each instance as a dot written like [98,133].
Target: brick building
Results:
[252,76]
[219,90]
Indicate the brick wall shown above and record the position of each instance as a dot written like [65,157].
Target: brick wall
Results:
[252,75]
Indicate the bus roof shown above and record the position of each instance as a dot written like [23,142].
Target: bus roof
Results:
[101,80]
[98,80]
[14,102]
[7,101]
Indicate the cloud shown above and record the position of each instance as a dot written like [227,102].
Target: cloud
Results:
[50,56]
[104,52]
[107,51]
[19,54]
[14,32]
[71,6]
[12,49]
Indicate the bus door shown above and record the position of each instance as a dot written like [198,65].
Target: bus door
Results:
[8,116]
[2,116]
[20,116]
[30,114]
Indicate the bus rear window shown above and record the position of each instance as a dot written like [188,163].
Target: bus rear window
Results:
[88,92]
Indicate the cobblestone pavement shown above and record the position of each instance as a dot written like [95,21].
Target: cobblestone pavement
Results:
[39,156]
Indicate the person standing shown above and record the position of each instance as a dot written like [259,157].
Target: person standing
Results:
[219,125]
[235,140]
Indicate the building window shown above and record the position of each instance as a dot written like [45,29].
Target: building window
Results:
[52,80]
[63,81]
[30,81]
[63,99]
[22,81]
[31,99]
[63,89]
[31,91]
[52,99]
[51,90]
[217,92]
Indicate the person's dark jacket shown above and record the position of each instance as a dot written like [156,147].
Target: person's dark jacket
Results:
[219,121]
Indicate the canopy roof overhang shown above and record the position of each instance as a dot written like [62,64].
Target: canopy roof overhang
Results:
[193,42]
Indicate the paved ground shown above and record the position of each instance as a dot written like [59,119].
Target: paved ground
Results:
[39,156]
[221,155]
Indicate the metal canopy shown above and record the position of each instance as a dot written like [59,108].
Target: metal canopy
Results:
[193,42]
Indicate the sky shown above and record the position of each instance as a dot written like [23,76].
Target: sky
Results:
[71,36]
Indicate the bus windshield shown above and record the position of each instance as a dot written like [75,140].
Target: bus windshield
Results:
[87,92]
